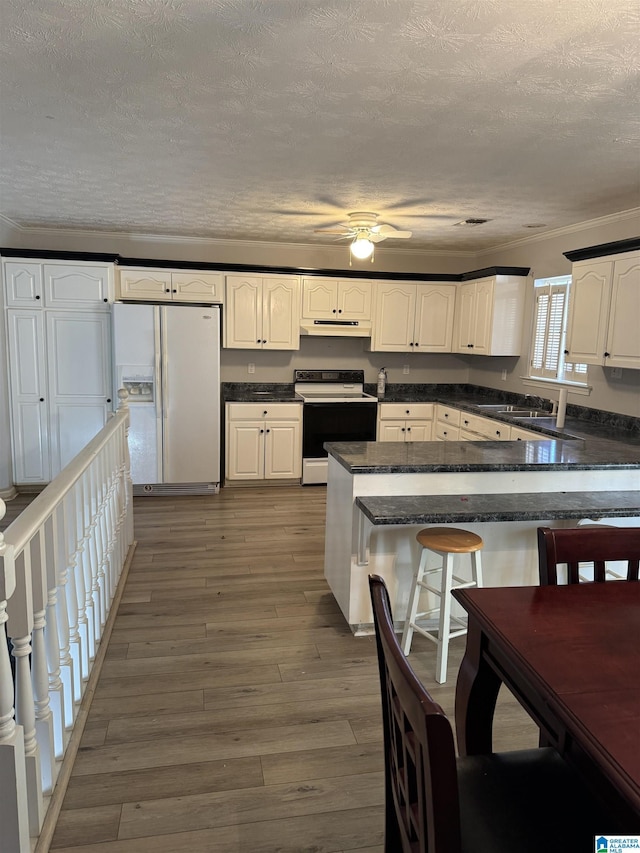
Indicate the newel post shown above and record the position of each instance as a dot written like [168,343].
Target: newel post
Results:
[14,817]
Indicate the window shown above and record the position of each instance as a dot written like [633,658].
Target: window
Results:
[549,332]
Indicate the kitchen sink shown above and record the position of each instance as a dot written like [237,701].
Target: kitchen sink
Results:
[514,411]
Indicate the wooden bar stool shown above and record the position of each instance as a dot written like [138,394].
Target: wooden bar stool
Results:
[446,542]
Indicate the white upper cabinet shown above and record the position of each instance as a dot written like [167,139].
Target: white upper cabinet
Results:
[65,284]
[336,299]
[164,285]
[262,312]
[489,316]
[604,312]
[413,317]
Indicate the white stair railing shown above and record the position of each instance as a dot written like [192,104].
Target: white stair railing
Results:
[60,562]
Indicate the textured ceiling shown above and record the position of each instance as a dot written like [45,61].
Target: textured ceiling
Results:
[266,119]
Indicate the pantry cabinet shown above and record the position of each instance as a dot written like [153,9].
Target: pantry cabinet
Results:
[264,441]
[262,312]
[59,358]
[165,285]
[489,316]
[413,317]
[604,310]
[336,299]
[405,421]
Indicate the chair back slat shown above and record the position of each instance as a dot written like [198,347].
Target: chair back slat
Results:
[596,546]
[421,786]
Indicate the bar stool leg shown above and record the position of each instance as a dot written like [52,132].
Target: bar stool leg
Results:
[476,567]
[414,598]
[445,619]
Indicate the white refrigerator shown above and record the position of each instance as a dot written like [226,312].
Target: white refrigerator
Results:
[168,359]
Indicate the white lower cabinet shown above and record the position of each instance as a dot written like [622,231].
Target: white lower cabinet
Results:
[60,381]
[405,421]
[264,441]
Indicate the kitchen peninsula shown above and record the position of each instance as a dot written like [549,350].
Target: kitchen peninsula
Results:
[583,462]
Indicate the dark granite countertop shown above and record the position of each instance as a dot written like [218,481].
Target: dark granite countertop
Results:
[259,392]
[391,457]
[456,509]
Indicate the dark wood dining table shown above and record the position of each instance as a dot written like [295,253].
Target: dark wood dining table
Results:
[571,656]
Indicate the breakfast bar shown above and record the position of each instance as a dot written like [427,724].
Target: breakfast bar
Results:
[501,490]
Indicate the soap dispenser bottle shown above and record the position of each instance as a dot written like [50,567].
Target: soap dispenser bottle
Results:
[382,382]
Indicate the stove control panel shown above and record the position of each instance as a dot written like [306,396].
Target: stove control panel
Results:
[329,376]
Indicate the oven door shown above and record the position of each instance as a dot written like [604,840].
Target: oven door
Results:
[339,421]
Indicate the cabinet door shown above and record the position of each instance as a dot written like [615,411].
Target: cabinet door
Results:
[434,317]
[446,432]
[589,312]
[245,450]
[283,450]
[519,434]
[392,431]
[465,317]
[281,314]
[197,286]
[418,431]
[243,313]
[354,300]
[319,298]
[623,336]
[23,284]
[29,404]
[483,311]
[394,318]
[79,388]
[77,286]
[148,285]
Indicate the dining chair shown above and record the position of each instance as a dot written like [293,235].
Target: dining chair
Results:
[525,801]
[579,547]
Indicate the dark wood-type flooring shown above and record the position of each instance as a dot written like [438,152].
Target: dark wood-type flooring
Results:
[235,712]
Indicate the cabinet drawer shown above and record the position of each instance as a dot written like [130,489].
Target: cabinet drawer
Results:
[519,434]
[448,415]
[262,411]
[490,429]
[447,432]
[406,410]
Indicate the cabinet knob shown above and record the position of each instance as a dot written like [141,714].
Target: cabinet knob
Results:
[446,414]
[408,411]
[334,311]
[412,344]
[466,423]
[258,341]
[37,296]
[108,399]
[408,429]
[444,432]
[167,290]
[607,355]
[261,431]
[266,412]
[497,432]
[174,290]
[42,399]
[268,430]
[402,430]
[340,311]
[264,341]
[105,299]
[566,352]
[470,346]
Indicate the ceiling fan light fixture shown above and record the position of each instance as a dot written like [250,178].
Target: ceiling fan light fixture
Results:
[362,247]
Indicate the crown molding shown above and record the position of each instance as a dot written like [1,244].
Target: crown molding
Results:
[610,219]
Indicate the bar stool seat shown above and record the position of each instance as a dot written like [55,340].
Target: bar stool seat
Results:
[446,542]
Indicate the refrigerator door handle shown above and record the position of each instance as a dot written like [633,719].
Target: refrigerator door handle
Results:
[161,398]
[164,372]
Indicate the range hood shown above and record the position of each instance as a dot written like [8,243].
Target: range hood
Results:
[337,328]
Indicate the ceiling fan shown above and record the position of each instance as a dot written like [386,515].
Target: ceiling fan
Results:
[364,232]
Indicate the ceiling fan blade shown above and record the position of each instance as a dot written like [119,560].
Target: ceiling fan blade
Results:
[332,231]
[403,234]
[378,238]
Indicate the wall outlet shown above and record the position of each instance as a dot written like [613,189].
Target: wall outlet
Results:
[251,368]
[616,373]
[504,374]
[405,369]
